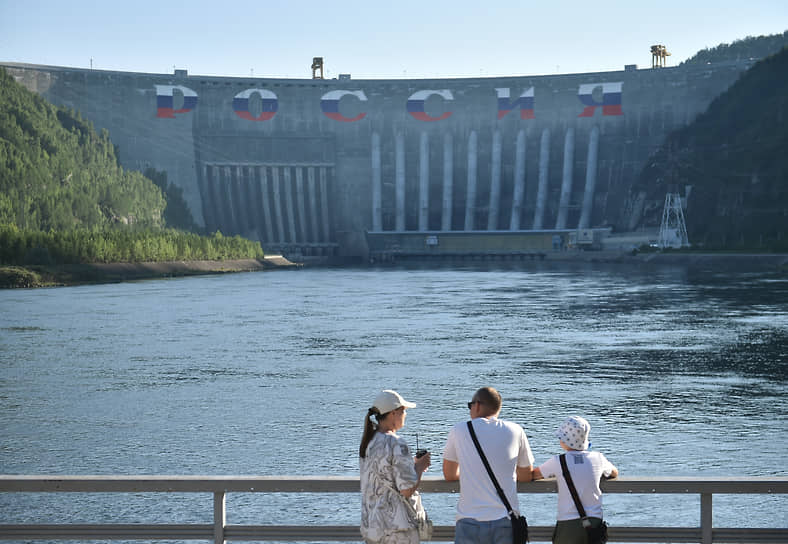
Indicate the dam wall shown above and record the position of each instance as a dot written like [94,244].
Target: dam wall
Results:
[311,166]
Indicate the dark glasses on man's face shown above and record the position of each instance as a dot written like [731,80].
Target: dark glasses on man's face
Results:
[470,404]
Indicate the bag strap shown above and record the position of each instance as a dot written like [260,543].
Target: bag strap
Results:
[489,471]
[572,490]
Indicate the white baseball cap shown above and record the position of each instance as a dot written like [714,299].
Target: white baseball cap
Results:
[388,400]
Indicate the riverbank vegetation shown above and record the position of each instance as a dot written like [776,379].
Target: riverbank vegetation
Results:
[82,245]
[35,258]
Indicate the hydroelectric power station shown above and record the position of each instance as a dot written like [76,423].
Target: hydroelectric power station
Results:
[356,168]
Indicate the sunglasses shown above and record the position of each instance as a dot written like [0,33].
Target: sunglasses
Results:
[470,404]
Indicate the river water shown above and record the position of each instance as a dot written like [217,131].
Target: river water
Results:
[681,372]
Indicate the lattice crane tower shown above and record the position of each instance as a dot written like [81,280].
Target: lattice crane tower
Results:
[673,230]
[317,67]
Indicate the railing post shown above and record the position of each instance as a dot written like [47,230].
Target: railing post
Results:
[219,517]
[705,518]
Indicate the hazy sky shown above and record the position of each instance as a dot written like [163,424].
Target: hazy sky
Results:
[373,39]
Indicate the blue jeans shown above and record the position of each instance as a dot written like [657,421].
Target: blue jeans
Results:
[471,531]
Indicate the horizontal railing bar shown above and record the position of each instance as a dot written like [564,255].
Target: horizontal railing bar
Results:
[441,533]
[293,532]
[183,484]
[753,535]
[343,484]
[705,487]
[106,531]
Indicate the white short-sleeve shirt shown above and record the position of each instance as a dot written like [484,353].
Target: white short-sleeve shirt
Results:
[586,468]
[506,448]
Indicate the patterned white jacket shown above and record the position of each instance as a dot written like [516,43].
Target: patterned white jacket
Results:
[387,468]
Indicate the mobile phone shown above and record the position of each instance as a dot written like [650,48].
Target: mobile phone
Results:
[419,451]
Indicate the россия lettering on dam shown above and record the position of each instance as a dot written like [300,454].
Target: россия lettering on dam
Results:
[346,167]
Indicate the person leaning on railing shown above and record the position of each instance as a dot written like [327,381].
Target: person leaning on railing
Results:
[390,476]
[586,469]
[482,517]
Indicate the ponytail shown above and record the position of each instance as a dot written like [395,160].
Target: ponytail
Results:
[369,430]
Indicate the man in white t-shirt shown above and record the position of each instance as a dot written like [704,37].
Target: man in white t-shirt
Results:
[482,517]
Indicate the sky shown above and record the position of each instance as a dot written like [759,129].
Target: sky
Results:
[373,39]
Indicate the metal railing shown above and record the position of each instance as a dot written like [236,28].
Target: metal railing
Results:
[219,486]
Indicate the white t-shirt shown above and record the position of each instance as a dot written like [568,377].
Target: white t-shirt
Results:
[506,447]
[586,468]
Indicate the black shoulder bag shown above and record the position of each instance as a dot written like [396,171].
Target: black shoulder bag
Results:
[596,535]
[519,523]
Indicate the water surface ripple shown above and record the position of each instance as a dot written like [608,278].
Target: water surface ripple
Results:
[681,373]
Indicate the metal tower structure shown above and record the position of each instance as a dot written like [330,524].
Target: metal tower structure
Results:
[659,55]
[673,230]
[317,67]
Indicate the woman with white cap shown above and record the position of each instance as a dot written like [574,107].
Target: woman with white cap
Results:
[390,504]
[586,469]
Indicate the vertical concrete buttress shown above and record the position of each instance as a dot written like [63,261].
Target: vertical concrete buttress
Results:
[280,223]
[591,166]
[206,206]
[377,189]
[312,189]
[544,170]
[448,181]
[252,209]
[519,181]
[495,182]
[219,200]
[213,197]
[470,199]
[566,183]
[270,236]
[424,182]
[288,186]
[324,204]
[300,199]
[232,227]
[240,199]
[399,182]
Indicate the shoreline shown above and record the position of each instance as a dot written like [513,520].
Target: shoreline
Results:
[81,274]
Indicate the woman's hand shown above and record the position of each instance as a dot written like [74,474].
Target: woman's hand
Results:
[422,463]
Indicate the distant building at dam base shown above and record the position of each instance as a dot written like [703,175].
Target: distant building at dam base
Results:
[338,167]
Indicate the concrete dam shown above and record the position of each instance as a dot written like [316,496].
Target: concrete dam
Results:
[348,168]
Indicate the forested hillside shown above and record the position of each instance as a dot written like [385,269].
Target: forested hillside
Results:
[65,199]
[751,47]
[733,164]
[56,172]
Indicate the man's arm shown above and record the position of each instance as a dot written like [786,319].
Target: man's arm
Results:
[451,470]
[525,474]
